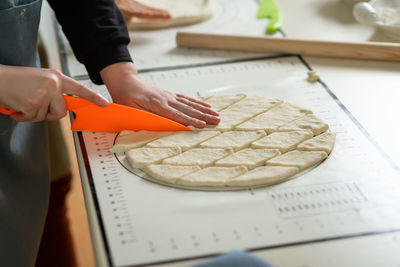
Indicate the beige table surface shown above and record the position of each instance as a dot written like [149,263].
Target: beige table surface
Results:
[370,90]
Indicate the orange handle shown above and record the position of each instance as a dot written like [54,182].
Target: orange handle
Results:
[7,111]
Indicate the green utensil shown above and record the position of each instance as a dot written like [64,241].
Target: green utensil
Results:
[269,9]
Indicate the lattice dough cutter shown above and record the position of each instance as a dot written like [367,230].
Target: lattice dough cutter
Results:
[113,118]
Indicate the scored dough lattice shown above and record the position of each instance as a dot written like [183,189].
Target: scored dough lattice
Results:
[260,141]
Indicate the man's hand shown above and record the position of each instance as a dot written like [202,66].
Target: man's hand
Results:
[37,94]
[132,8]
[127,88]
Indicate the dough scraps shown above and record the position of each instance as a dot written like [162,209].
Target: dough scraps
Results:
[312,76]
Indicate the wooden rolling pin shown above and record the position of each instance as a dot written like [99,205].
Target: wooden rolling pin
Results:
[354,50]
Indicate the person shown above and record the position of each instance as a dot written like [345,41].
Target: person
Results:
[98,36]
[132,8]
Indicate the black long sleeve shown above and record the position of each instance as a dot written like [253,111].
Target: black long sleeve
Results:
[96,31]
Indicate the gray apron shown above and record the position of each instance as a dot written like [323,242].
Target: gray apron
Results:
[24,170]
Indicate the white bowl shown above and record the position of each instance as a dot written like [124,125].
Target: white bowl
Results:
[372,13]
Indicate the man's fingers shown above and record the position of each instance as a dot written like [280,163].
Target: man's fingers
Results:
[132,8]
[42,113]
[18,117]
[57,109]
[72,87]
[28,115]
[197,106]
[142,11]
[21,117]
[33,110]
[178,116]
[194,113]
[151,14]
[194,100]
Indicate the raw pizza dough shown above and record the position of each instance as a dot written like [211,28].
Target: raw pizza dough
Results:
[182,12]
[260,141]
